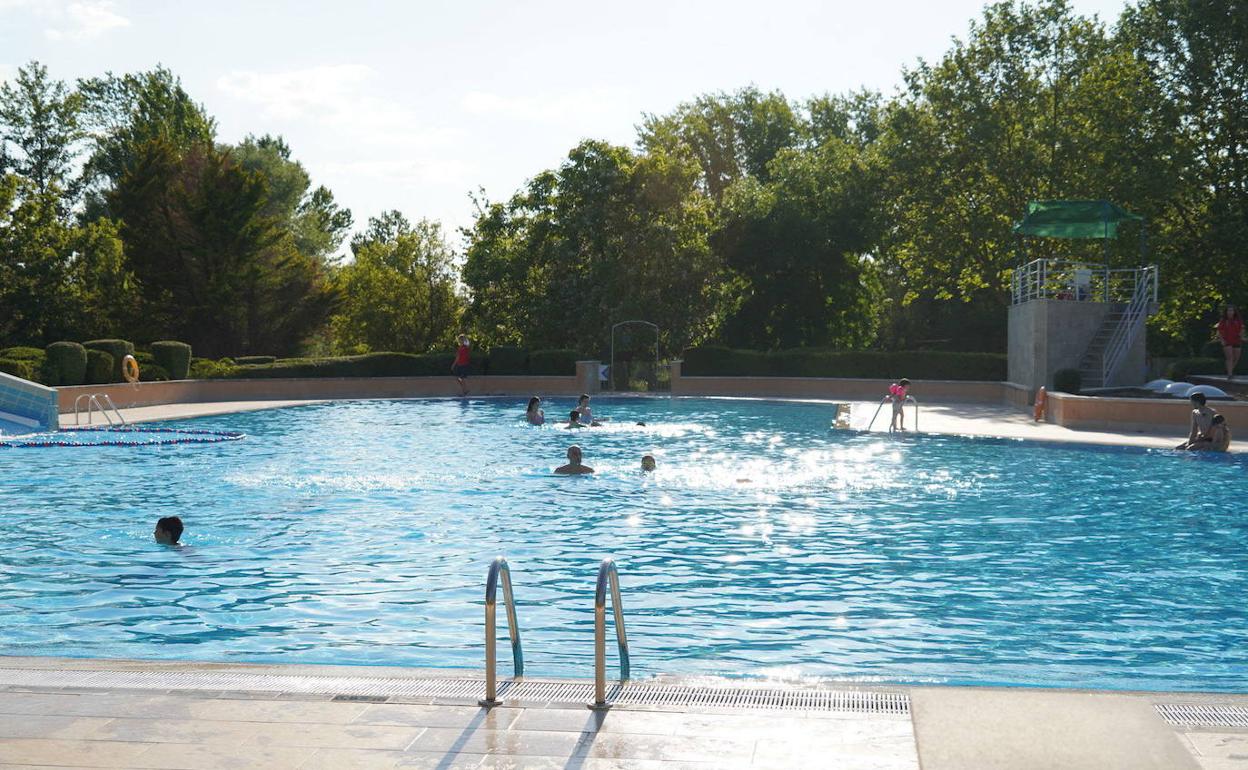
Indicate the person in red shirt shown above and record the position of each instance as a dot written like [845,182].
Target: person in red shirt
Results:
[1231,335]
[462,363]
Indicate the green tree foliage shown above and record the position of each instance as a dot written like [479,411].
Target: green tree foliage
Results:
[38,128]
[399,294]
[608,236]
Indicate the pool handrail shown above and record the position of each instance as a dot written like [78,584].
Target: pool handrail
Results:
[499,568]
[608,576]
[885,400]
[94,402]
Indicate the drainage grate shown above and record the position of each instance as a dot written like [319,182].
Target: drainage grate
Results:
[1203,714]
[379,689]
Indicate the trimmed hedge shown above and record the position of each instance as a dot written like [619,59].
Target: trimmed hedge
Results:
[118,349]
[100,365]
[173,357]
[1068,381]
[23,354]
[553,363]
[18,368]
[65,364]
[251,360]
[208,369]
[1185,367]
[714,361]
[507,359]
[367,365]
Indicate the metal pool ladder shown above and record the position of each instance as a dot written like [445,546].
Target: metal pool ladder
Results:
[608,576]
[499,569]
[98,401]
[887,399]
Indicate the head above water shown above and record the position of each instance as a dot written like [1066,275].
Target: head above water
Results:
[533,403]
[647,462]
[583,400]
[574,454]
[574,416]
[1197,398]
[168,530]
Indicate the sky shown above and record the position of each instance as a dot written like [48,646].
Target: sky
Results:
[416,105]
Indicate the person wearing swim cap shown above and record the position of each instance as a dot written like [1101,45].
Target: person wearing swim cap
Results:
[574,467]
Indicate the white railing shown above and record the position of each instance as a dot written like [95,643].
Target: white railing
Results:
[1131,323]
[1062,279]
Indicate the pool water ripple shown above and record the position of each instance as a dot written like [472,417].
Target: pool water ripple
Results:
[764,545]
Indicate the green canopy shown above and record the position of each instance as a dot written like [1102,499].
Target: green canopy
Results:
[1074,219]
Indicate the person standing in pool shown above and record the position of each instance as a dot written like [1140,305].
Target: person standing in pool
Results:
[534,414]
[463,361]
[574,467]
[587,414]
[1230,332]
[1202,421]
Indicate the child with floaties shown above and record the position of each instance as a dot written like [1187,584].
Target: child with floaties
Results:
[898,392]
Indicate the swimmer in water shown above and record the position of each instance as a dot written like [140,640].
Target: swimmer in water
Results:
[574,467]
[587,414]
[647,463]
[168,530]
[574,420]
[534,414]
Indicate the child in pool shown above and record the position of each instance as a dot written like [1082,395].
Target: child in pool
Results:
[898,392]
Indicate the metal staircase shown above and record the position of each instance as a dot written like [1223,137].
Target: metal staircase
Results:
[1122,326]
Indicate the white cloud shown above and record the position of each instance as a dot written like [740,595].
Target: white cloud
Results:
[85,20]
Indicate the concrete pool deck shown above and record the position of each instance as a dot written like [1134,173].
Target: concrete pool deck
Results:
[72,713]
[985,420]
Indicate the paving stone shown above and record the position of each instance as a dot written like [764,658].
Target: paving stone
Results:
[180,756]
[32,751]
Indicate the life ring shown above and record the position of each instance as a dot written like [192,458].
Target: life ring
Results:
[130,369]
[1042,401]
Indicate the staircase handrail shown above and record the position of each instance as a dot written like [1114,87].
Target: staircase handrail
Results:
[1124,335]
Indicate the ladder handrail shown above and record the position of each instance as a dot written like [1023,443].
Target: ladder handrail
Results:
[94,403]
[1124,334]
[888,399]
[883,401]
[608,577]
[914,401]
[499,568]
[109,400]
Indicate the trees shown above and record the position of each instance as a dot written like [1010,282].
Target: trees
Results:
[38,129]
[610,235]
[399,293]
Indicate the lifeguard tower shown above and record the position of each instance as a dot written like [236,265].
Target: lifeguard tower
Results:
[1067,314]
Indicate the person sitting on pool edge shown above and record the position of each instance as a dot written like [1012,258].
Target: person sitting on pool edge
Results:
[534,413]
[1202,420]
[1218,438]
[574,466]
[168,530]
[647,463]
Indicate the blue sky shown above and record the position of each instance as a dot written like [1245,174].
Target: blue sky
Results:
[413,105]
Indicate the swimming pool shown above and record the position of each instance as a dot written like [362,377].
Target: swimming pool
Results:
[765,545]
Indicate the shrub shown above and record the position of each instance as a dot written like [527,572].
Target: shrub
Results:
[118,349]
[1186,367]
[507,359]
[557,363]
[367,365]
[100,367]
[206,369]
[65,363]
[717,361]
[1067,381]
[22,354]
[18,368]
[173,357]
[153,372]
[253,360]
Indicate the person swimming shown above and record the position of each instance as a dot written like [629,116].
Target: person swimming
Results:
[587,414]
[574,420]
[534,414]
[574,467]
[168,530]
[647,463]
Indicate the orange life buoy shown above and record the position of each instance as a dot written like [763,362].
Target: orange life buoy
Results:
[130,369]
[1042,400]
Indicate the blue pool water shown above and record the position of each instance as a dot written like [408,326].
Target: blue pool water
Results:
[360,532]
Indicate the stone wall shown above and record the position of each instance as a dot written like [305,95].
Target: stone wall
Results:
[1046,335]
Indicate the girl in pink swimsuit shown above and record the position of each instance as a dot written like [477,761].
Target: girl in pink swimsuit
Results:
[898,391]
